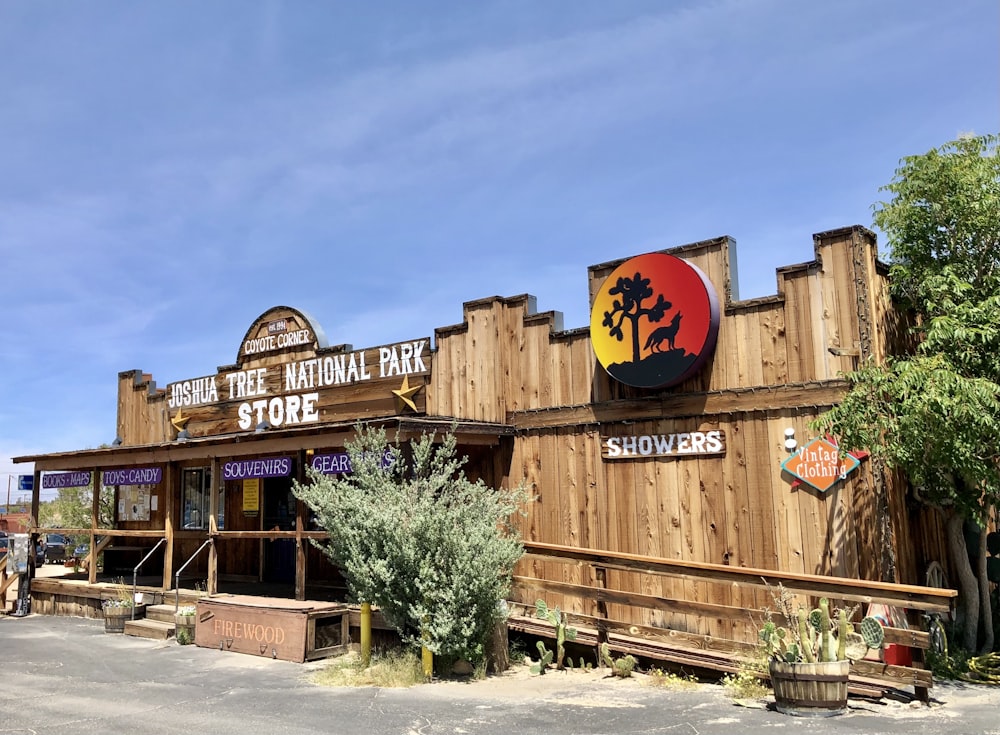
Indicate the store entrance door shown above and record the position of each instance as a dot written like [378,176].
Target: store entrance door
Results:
[279,513]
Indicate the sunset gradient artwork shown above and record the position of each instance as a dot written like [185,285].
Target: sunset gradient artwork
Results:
[654,321]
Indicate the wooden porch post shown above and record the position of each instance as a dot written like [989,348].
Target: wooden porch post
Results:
[300,524]
[213,509]
[169,480]
[95,504]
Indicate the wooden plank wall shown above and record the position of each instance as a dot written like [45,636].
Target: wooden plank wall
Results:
[828,315]
[777,365]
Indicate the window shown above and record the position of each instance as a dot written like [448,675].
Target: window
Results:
[196,484]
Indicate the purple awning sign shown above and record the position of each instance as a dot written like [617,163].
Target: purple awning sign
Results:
[340,462]
[133,476]
[250,469]
[332,464]
[66,479]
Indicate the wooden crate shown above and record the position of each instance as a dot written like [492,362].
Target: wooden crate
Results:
[275,628]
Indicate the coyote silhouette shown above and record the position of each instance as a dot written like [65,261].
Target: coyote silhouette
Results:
[664,334]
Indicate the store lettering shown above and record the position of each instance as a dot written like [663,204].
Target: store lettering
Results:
[249,631]
[278,341]
[193,392]
[279,411]
[661,445]
[256,468]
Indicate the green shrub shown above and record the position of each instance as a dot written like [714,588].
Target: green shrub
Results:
[415,537]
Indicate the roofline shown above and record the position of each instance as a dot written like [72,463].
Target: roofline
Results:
[273,440]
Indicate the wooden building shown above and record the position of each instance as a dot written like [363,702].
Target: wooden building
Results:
[664,430]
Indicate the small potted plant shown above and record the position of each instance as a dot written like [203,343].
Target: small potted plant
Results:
[184,623]
[809,658]
[119,608]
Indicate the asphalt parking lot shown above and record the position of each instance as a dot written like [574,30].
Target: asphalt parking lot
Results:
[66,676]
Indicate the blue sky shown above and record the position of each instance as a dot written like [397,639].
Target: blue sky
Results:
[172,170]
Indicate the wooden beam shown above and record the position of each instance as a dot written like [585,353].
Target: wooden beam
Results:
[300,527]
[920,598]
[712,403]
[169,484]
[634,599]
[212,584]
[95,506]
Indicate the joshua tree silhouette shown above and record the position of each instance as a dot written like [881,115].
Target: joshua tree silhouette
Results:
[633,292]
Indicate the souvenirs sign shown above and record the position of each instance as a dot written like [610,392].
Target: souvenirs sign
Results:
[655,321]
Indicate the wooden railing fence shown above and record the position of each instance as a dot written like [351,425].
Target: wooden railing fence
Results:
[711,652]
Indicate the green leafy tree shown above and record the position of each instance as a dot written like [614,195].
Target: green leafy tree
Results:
[935,413]
[414,536]
[71,508]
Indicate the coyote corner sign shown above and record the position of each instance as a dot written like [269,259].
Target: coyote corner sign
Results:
[820,465]
[654,321]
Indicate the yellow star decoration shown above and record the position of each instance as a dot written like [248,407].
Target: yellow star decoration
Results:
[180,420]
[405,392]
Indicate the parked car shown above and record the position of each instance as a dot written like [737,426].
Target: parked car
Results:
[55,548]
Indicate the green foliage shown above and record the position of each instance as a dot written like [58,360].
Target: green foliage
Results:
[71,508]
[563,632]
[432,549]
[811,637]
[935,413]
[745,684]
[516,653]
[392,668]
[948,665]
[670,680]
[184,637]
[620,667]
[544,659]
[872,633]
[944,214]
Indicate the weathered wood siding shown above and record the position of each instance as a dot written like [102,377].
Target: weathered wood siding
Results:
[778,364]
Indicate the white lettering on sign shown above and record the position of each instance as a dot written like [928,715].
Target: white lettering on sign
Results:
[246,383]
[407,360]
[194,392]
[279,341]
[286,394]
[322,372]
[279,411]
[664,445]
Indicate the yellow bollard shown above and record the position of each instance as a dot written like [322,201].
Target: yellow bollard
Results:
[366,633]
[427,658]
[426,655]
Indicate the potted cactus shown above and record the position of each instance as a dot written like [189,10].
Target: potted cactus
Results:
[809,658]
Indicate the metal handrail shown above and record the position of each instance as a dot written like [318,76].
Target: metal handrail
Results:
[177,576]
[135,572]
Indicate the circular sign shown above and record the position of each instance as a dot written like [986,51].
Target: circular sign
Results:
[654,321]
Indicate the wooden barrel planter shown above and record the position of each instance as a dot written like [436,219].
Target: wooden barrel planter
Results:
[810,690]
[116,617]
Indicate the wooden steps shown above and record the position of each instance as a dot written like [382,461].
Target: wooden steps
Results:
[153,629]
[157,625]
